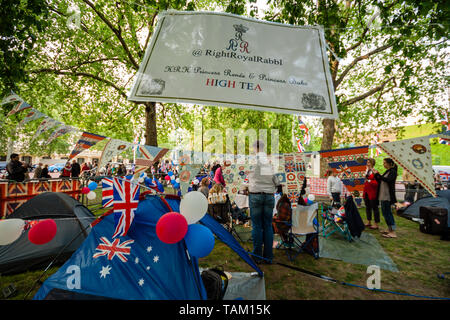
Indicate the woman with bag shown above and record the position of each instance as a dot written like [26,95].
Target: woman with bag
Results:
[386,195]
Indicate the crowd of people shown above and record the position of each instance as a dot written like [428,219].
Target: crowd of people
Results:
[379,191]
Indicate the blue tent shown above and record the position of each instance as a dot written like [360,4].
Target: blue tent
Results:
[137,266]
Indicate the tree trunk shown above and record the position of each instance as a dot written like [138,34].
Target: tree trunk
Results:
[327,142]
[151,137]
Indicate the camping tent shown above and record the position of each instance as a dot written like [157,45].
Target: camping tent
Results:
[137,266]
[441,201]
[72,221]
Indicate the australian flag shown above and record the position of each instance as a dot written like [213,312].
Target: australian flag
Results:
[126,200]
[137,266]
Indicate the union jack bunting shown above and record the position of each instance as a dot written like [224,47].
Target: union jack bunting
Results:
[22,105]
[147,156]
[33,114]
[12,97]
[107,192]
[113,249]
[126,200]
[86,141]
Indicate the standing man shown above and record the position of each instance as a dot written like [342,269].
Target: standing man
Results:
[38,171]
[262,185]
[76,169]
[16,169]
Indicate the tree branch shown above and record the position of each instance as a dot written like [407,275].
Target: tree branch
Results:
[358,59]
[116,32]
[152,22]
[368,93]
[81,74]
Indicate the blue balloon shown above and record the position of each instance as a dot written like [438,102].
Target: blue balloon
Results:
[176,185]
[199,240]
[92,186]
[170,173]
[309,202]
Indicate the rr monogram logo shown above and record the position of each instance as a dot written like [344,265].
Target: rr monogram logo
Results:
[237,42]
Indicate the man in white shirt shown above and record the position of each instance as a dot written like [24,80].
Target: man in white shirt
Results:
[334,186]
[262,185]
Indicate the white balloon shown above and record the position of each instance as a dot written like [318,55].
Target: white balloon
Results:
[10,230]
[91,195]
[311,197]
[193,206]
[177,180]
[173,177]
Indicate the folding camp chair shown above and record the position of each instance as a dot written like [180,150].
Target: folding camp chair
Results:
[332,222]
[222,213]
[302,225]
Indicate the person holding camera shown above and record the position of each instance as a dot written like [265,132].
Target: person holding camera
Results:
[16,169]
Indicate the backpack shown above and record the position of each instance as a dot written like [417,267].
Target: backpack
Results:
[215,282]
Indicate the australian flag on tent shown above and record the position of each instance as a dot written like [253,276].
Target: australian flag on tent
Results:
[126,200]
[137,266]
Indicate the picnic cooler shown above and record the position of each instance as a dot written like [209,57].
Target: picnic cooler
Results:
[434,220]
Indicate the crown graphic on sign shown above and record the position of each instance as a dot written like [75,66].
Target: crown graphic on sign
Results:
[240,28]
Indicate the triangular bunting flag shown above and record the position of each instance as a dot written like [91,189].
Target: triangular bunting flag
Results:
[22,105]
[62,130]
[86,141]
[113,148]
[414,155]
[33,114]
[444,138]
[45,125]
[11,98]
[147,155]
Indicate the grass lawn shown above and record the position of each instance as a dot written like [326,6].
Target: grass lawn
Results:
[419,258]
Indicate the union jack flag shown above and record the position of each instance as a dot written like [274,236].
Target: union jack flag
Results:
[113,249]
[107,192]
[126,200]
[289,166]
[302,126]
[300,146]
[344,171]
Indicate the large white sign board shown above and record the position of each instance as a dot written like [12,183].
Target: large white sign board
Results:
[219,59]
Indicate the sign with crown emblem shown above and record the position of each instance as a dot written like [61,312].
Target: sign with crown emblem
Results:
[221,59]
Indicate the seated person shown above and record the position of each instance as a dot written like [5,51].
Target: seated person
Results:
[282,220]
[239,215]
[219,205]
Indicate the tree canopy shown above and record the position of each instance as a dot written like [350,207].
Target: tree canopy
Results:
[75,61]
